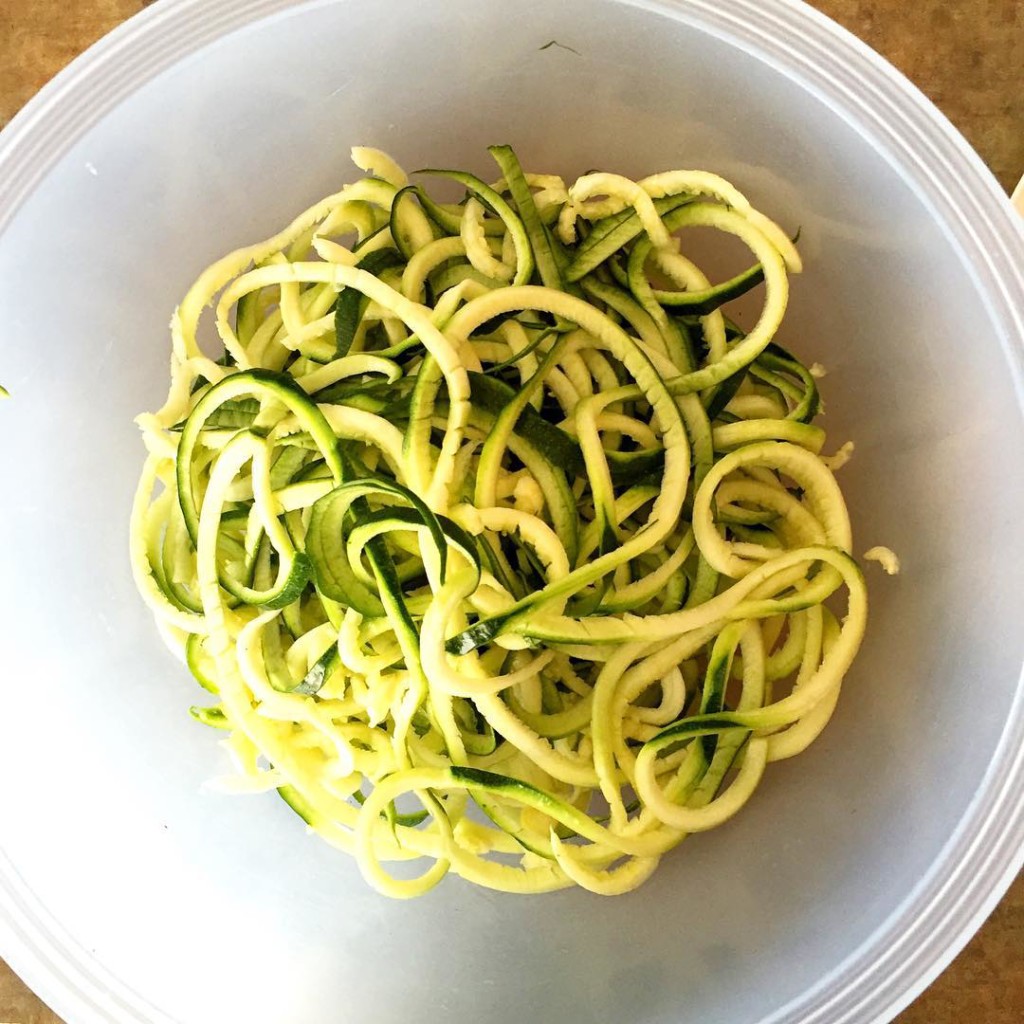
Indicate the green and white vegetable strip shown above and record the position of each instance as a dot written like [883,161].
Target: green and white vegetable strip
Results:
[495,542]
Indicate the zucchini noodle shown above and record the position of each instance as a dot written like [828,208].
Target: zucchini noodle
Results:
[500,549]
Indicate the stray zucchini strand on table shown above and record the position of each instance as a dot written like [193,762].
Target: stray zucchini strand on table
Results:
[494,541]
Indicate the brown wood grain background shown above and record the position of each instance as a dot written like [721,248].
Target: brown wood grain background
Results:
[968,57]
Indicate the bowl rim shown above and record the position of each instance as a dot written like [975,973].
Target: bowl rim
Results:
[979,861]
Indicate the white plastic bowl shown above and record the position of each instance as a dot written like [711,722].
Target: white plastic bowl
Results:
[858,870]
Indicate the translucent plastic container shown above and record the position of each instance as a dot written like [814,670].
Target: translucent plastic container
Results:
[857,871]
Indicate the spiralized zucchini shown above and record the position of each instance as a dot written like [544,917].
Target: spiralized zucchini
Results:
[495,541]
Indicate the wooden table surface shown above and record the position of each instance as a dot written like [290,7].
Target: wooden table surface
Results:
[968,56]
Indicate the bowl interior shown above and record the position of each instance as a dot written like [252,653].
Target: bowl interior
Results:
[221,908]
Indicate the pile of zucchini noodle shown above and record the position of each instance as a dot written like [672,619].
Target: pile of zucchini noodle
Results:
[496,543]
